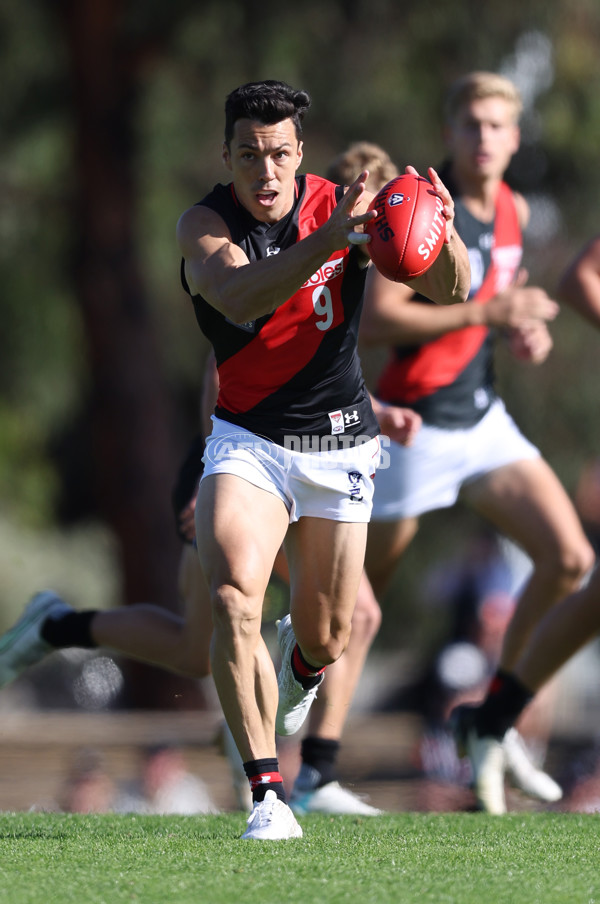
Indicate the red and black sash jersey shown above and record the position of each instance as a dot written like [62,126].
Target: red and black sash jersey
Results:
[294,372]
[450,380]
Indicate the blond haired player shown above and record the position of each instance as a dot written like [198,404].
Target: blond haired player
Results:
[441,364]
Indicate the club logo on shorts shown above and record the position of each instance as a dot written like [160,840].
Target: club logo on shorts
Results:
[355,478]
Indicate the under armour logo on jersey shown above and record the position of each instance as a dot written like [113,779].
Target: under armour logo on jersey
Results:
[351,417]
[272,249]
[355,478]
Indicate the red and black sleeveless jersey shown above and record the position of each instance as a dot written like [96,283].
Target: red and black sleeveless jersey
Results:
[294,372]
[450,380]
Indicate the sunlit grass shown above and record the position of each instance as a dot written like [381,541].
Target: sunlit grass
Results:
[453,858]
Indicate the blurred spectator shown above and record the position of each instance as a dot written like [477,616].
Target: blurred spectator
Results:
[87,788]
[165,786]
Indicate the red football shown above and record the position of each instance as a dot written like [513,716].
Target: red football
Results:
[408,233]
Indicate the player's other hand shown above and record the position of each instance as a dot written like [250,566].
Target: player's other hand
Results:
[530,342]
[400,424]
[187,524]
[519,304]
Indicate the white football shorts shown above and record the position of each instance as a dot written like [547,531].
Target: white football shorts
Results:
[429,474]
[336,484]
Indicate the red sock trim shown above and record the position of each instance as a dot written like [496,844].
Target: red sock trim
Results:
[264,778]
[301,667]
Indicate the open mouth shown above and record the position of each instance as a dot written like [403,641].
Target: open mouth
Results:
[266,198]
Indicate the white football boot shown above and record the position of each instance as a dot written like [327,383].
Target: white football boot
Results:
[331,798]
[524,774]
[294,700]
[272,820]
[487,758]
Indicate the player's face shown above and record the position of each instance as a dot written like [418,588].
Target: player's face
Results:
[263,161]
[483,138]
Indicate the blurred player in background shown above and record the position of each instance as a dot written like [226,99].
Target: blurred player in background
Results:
[565,628]
[469,448]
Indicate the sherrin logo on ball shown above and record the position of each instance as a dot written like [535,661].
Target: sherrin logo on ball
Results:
[397,198]
[409,230]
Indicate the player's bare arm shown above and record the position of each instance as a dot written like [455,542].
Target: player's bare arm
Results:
[391,316]
[220,271]
[517,306]
[448,280]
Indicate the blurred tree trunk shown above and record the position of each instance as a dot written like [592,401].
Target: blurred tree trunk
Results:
[133,454]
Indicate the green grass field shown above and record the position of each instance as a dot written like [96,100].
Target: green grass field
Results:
[442,858]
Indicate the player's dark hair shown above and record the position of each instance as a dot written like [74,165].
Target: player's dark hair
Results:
[267,102]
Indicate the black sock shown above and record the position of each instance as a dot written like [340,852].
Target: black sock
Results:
[506,699]
[264,776]
[319,756]
[73,629]
[305,673]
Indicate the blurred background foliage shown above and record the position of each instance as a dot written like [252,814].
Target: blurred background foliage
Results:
[111,124]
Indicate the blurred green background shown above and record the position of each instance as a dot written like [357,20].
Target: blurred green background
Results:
[111,120]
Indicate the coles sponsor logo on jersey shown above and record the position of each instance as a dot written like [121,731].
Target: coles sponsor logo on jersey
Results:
[328,271]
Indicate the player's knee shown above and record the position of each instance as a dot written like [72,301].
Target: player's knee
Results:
[327,649]
[366,619]
[234,612]
[581,561]
[572,563]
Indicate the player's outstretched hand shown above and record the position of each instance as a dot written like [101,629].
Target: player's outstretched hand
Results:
[442,191]
[345,218]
